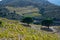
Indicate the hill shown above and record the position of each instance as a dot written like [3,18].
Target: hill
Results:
[51,10]
[25,11]
[16,10]
[13,30]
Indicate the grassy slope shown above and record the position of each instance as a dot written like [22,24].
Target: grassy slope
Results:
[14,30]
[27,11]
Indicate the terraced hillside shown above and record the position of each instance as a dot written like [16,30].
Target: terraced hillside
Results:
[18,9]
[13,30]
[25,11]
[51,10]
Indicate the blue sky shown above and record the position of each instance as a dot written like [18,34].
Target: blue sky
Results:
[56,2]
[0,0]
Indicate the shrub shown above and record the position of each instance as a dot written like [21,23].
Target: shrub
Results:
[47,23]
[27,20]
[1,24]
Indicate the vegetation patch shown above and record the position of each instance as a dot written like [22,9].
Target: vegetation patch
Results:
[15,31]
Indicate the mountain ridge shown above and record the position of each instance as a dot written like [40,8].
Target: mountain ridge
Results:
[51,10]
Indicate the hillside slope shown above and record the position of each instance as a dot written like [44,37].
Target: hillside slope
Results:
[51,10]
[13,30]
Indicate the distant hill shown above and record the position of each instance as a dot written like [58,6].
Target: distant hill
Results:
[24,2]
[51,10]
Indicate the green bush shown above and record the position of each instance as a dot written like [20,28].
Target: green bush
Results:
[2,24]
[47,22]
[27,20]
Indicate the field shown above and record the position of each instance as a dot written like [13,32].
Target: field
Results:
[25,11]
[13,30]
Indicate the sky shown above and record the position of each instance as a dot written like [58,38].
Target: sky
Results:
[56,2]
[0,0]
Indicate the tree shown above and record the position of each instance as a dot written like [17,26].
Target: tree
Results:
[1,24]
[27,20]
[47,23]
